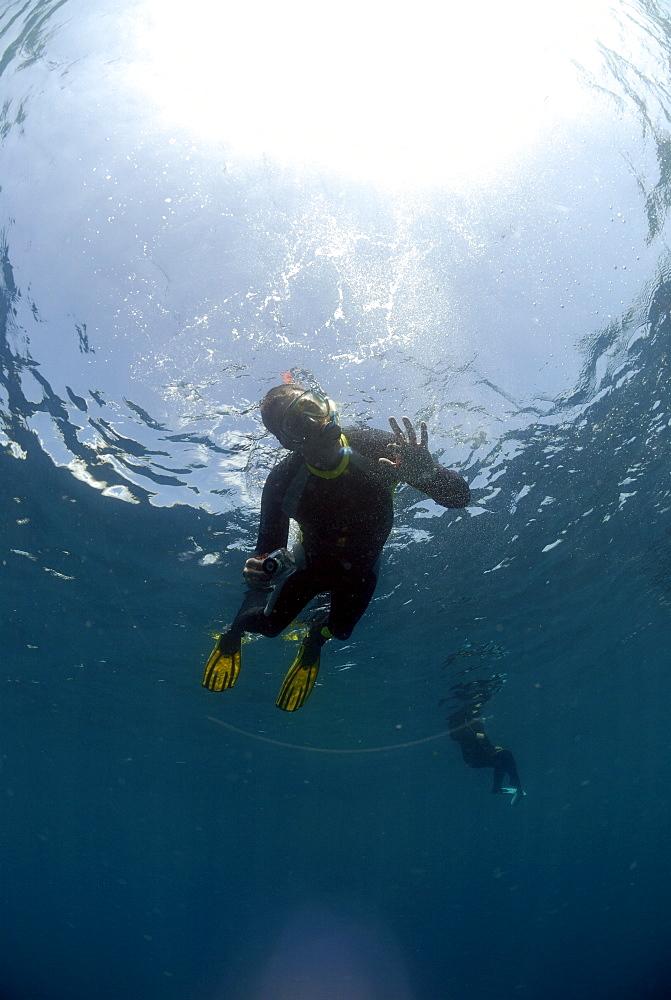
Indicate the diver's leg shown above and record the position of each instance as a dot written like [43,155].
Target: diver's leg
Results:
[513,773]
[302,674]
[499,766]
[503,763]
[507,762]
[351,594]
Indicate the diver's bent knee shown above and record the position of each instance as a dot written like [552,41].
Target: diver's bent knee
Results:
[272,631]
[264,628]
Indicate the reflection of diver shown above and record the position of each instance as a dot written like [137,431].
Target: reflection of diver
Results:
[467,729]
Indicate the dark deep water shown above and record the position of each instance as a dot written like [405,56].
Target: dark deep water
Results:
[159,841]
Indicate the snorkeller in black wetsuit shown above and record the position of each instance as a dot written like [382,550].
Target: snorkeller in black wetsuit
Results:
[338,486]
[467,729]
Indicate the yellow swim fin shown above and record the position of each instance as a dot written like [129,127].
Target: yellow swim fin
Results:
[302,673]
[223,665]
[298,683]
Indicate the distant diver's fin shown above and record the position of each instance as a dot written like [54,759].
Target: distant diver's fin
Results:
[223,665]
[302,673]
[517,795]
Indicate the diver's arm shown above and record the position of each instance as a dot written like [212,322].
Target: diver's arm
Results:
[445,487]
[273,522]
[273,530]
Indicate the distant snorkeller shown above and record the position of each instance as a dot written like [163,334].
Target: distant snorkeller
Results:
[467,729]
[338,486]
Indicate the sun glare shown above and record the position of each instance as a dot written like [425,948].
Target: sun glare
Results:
[387,92]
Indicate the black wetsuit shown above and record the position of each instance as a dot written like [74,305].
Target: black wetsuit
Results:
[345,517]
[479,751]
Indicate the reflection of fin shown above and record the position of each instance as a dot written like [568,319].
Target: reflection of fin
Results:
[223,665]
[300,679]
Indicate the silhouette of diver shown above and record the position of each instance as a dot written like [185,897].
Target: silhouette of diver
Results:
[466,728]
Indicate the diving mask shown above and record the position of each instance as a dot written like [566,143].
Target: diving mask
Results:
[308,410]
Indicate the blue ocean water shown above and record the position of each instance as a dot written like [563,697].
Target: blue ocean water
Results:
[161,269]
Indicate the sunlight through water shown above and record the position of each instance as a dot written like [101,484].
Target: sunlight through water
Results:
[376,91]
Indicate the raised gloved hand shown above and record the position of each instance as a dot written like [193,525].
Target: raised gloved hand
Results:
[411,459]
